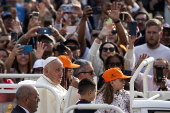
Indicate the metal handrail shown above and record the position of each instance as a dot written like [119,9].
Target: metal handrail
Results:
[147,62]
[93,106]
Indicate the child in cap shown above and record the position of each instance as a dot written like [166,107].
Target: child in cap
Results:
[112,91]
[87,91]
[68,71]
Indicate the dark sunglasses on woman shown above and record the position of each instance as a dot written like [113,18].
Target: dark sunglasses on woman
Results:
[105,49]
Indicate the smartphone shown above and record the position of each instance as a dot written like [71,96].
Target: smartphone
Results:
[44,30]
[27,48]
[128,73]
[72,47]
[14,36]
[61,48]
[27,1]
[97,10]
[67,8]
[122,16]
[159,73]
[132,28]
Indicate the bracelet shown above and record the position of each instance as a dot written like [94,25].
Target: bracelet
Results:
[99,38]
[117,21]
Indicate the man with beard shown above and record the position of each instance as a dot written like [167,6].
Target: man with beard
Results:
[152,47]
[141,18]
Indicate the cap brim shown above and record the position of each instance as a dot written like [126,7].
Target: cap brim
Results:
[74,66]
[125,77]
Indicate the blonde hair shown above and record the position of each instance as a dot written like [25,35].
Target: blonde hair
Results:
[154,22]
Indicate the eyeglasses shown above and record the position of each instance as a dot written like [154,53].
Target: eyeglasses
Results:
[117,64]
[38,70]
[142,19]
[111,49]
[95,35]
[91,72]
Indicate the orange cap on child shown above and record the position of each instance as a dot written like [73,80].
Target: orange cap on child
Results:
[67,62]
[114,73]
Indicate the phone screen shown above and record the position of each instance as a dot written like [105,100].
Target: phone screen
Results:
[132,28]
[14,36]
[27,48]
[159,74]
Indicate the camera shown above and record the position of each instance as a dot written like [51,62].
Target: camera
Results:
[97,10]
[67,8]
[44,30]
[159,73]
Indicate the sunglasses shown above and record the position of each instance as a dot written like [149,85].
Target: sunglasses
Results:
[111,49]
[117,64]
[91,72]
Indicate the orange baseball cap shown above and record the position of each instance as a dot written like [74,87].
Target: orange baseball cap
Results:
[114,73]
[67,62]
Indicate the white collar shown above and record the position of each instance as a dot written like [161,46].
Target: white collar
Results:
[24,109]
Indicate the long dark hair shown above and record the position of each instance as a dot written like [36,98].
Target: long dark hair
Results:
[122,61]
[101,47]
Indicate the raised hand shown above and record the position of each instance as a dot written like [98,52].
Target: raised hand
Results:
[40,50]
[59,16]
[141,58]
[106,30]
[17,49]
[11,44]
[87,11]
[41,9]
[114,12]
[16,27]
[32,32]
[77,7]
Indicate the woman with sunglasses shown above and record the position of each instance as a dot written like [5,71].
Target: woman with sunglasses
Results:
[112,92]
[112,61]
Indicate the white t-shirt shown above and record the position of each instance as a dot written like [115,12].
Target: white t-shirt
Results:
[160,52]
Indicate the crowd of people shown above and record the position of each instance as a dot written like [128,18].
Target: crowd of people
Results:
[70,42]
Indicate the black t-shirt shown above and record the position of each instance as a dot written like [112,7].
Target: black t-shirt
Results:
[84,110]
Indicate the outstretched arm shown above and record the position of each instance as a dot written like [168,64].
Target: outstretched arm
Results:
[81,32]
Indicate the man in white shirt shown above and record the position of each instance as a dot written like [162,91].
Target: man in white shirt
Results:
[53,73]
[27,99]
[153,47]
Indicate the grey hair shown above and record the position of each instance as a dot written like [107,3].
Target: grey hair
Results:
[83,66]
[23,91]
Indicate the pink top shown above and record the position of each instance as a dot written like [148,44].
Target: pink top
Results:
[152,86]
[122,100]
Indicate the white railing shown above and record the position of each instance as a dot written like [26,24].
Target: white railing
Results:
[147,62]
[20,75]
[36,85]
[93,106]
